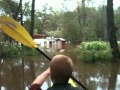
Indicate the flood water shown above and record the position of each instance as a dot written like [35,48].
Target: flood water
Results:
[18,73]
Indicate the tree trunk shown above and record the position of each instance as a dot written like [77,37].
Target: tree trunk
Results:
[21,15]
[18,9]
[112,30]
[32,18]
[83,11]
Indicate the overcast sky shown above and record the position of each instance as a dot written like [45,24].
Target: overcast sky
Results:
[70,4]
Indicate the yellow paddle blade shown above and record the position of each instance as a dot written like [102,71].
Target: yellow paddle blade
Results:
[72,82]
[16,31]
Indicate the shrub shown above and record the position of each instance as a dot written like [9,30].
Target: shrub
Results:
[29,51]
[9,50]
[14,50]
[93,51]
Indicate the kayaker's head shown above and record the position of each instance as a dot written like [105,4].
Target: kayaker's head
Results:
[61,68]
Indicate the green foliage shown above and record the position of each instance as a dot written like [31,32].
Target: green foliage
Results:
[29,51]
[117,22]
[14,50]
[9,50]
[56,33]
[93,51]
[9,7]
[70,23]
[71,29]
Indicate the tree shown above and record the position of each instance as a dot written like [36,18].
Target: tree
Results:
[71,28]
[32,18]
[19,10]
[100,23]
[11,8]
[117,22]
[84,13]
[112,30]
[8,7]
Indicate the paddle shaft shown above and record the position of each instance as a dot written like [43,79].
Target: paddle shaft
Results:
[13,29]
[71,76]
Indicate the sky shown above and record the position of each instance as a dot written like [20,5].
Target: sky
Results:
[57,5]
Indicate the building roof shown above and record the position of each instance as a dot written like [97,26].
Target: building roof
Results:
[39,36]
[60,39]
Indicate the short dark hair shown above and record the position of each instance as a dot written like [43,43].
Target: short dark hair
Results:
[61,68]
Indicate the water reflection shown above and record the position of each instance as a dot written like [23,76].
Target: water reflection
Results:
[99,76]
[118,82]
[18,73]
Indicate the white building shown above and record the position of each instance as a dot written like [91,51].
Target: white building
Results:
[50,43]
[45,42]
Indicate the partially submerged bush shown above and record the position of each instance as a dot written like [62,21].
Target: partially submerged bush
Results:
[9,50]
[14,50]
[93,51]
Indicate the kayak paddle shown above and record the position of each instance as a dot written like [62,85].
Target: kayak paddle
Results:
[16,31]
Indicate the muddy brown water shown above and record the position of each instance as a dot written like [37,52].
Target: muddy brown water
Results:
[18,73]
